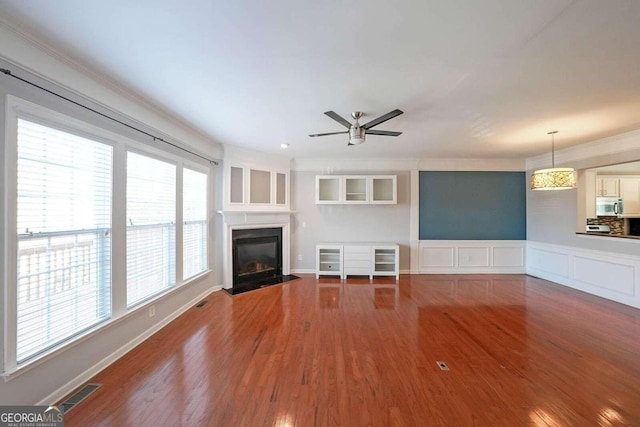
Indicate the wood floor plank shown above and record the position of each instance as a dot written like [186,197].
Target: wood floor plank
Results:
[521,351]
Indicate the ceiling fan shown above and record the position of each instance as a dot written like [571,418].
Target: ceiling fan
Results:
[358,132]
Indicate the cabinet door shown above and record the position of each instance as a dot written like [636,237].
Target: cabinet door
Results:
[630,194]
[328,189]
[383,189]
[236,185]
[355,189]
[259,187]
[281,189]
[610,187]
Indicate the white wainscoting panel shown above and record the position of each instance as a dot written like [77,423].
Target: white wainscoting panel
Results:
[606,274]
[472,256]
[508,256]
[437,257]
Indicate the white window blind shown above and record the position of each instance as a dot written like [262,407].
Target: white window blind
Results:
[64,236]
[194,196]
[151,232]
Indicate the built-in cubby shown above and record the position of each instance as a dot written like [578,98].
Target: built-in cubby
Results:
[328,260]
[356,189]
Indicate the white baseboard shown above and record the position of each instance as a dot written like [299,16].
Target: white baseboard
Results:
[111,358]
[609,275]
[304,271]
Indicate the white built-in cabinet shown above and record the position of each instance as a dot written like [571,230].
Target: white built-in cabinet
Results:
[256,188]
[358,259]
[356,189]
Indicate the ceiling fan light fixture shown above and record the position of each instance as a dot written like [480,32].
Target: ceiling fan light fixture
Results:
[356,134]
[553,178]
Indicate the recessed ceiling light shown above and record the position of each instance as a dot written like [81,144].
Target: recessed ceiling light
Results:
[284,145]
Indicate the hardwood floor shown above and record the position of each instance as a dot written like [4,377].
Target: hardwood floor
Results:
[521,351]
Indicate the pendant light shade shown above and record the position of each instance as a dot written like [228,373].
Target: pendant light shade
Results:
[553,178]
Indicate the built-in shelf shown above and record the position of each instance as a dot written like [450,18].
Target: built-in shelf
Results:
[328,260]
[255,188]
[356,189]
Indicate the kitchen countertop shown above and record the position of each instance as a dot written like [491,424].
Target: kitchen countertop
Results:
[620,236]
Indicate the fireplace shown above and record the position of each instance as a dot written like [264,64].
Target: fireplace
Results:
[240,225]
[257,257]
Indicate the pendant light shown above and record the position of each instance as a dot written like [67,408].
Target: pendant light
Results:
[554,178]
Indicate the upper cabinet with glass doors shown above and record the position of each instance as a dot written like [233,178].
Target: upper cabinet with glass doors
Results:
[255,188]
[356,189]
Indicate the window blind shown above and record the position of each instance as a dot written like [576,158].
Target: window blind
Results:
[64,236]
[194,196]
[151,212]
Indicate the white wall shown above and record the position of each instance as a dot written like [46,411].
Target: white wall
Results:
[64,370]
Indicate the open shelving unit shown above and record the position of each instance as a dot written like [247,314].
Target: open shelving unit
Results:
[329,260]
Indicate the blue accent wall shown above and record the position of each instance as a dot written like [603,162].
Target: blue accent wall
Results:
[473,206]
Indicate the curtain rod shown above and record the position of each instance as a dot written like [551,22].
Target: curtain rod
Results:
[155,138]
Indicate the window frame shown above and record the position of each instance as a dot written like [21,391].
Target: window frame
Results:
[17,108]
[180,194]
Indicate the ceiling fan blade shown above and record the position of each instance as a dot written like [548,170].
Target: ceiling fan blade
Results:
[328,133]
[382,119]
[335,116]
[383,132]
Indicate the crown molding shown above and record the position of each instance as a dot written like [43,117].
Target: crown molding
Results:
[497,165]
[335,165]
[339,164]
[34,55]
[617,144]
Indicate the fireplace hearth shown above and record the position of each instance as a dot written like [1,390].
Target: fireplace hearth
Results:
[257,259]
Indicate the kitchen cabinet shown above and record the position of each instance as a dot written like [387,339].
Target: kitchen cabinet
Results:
[630,194]
[356,189]
[607,187]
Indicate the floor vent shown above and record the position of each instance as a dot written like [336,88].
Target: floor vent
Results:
[443,366]
[201,304]
[78,397]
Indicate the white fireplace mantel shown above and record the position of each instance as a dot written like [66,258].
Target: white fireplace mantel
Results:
[236,220]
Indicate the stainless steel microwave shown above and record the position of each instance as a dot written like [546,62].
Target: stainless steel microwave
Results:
[609,206]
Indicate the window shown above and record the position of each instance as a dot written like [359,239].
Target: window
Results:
[90,230]
[64,236]
[151,231]
[194,195]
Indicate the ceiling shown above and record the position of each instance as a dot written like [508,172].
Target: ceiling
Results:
[476,79]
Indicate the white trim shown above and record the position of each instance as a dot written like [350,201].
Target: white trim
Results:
[484,165]
[608,275]
[414,222]
[111,358]
[303,271]
[335,165]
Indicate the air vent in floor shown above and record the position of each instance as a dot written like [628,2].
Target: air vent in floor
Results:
[201,304]
[78,397]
